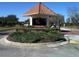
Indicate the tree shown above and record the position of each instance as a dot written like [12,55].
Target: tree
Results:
[10,20]
[2,21]
[73,16]
[27,21]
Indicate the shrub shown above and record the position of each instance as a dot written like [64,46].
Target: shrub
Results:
[54,35]
[26,37]
[46,35]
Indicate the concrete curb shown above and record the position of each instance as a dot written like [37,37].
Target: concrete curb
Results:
[6,42]
[72,40]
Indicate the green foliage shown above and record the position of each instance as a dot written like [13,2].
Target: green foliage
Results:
[35,36]
[10,20]
[54,35]
[25,37]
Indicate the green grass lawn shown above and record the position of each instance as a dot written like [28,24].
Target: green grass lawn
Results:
[9,28]
[75,27]
[6,28]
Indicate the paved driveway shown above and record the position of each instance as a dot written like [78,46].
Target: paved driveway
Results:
[62,51]
[68,31]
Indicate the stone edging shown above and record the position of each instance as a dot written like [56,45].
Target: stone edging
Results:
[6,42]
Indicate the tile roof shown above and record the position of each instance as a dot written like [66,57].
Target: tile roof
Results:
[39,9]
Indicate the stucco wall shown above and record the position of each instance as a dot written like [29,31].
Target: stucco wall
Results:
[53,20]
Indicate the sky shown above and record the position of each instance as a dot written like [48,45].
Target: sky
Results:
[18,8]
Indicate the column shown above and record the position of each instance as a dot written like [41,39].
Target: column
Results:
[48,21]
[30,21]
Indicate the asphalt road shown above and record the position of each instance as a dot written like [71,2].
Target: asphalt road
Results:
[61,51]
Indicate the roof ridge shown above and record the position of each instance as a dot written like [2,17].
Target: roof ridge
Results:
[40,9]
[48,8]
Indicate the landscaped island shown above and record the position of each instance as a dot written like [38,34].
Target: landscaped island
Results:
[35,35]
